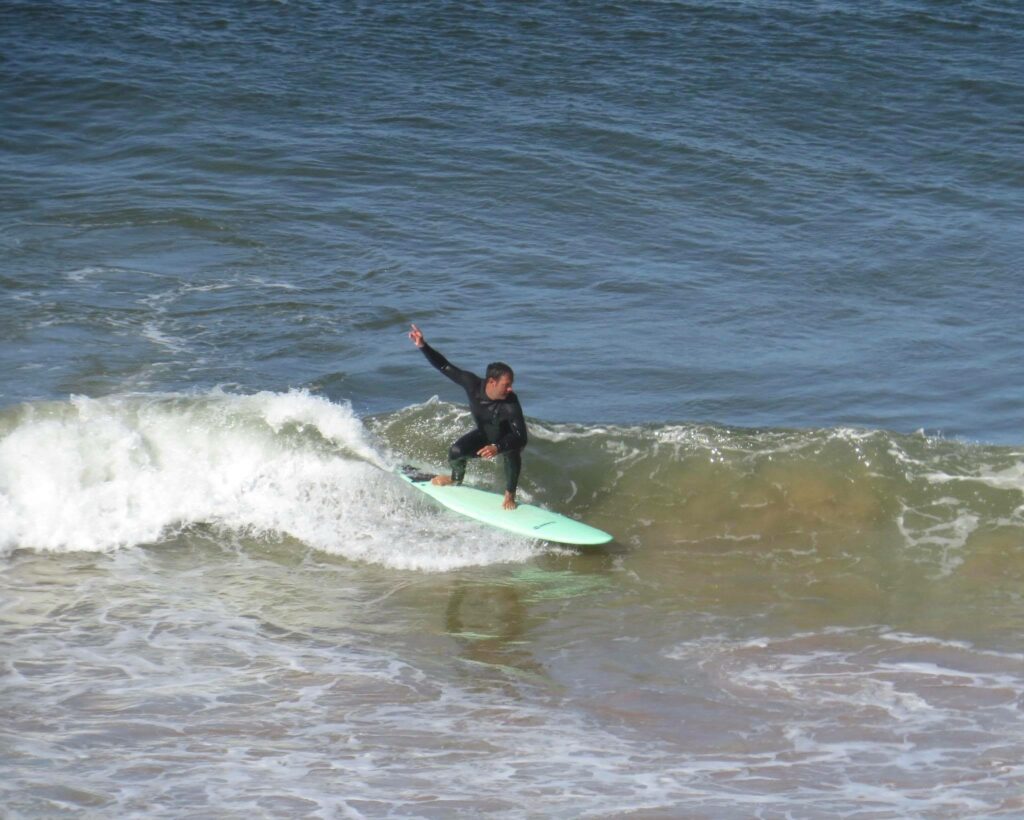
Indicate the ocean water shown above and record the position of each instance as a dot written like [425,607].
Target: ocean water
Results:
[757,266]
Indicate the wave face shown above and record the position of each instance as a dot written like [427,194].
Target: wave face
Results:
[677,484]
[99,474]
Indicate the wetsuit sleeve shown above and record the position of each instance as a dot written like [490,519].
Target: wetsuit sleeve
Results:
[515,438]
[463,378]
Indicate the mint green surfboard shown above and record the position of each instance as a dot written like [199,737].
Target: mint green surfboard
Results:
[526,519]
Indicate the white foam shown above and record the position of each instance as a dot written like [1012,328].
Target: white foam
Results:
[884,714]
[82,274]
[1010,478]
[153,333]
[948,534]
[98,474]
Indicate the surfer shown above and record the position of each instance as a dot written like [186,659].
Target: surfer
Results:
[500,427]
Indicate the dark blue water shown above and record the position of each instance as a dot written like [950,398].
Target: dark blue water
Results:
[757,214]
[757,267]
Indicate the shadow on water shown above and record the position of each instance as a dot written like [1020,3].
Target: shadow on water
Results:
[489,624]
[495,621]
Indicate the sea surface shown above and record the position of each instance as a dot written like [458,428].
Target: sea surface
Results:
[758,268]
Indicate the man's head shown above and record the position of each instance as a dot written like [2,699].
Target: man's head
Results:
[498,382]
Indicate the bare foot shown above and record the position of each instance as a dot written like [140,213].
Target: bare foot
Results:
[510,502]
[442,481]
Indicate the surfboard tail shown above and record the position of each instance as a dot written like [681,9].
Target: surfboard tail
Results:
[414,474]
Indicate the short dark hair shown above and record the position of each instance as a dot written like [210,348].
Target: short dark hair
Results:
[495,370]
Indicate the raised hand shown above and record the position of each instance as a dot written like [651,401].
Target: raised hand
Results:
[416,335]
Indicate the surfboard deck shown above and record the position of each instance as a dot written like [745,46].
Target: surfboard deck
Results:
[526,519]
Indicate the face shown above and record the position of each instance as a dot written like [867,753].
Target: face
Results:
[498,389]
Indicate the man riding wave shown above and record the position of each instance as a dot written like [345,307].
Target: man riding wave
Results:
[500,427]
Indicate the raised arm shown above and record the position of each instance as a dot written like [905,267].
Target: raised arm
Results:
[463,378]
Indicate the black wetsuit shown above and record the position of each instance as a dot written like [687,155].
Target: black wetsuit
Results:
[498,422]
